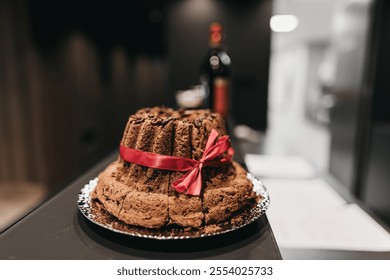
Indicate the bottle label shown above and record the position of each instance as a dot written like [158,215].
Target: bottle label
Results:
[221,96]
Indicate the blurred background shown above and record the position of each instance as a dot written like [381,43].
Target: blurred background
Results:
[308,79]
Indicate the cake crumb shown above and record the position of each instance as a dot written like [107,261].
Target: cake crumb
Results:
[211,229]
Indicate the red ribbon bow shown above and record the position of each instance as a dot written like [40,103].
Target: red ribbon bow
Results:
[191,182]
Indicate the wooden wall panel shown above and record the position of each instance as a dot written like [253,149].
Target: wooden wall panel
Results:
[64,106]
[17,144]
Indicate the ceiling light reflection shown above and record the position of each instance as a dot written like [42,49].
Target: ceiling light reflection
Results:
[283,23]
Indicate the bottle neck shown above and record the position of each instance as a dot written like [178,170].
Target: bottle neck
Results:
[215,44]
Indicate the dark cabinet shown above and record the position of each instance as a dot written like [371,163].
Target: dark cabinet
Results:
[375,190]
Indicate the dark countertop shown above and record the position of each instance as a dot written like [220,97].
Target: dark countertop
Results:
[57,230]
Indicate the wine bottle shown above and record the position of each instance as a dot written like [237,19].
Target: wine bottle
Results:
[216,72]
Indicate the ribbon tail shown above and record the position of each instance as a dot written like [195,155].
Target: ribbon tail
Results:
[229,156]
[189,183]
[195,187]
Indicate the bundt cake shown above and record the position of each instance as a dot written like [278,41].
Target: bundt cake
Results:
[144,196]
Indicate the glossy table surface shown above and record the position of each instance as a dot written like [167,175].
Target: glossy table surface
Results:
[57,230]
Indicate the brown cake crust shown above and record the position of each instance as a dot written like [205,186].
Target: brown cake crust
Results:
[143,196]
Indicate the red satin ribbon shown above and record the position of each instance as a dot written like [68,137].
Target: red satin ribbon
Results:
[191,182]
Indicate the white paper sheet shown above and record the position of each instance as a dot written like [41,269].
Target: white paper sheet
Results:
[279,166]
[310,214]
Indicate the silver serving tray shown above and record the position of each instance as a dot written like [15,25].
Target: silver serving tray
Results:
[109,222]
